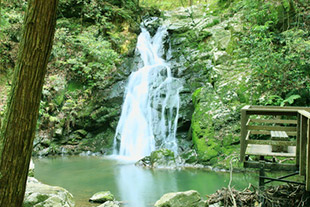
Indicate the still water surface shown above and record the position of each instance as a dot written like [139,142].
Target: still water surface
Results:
[136,186]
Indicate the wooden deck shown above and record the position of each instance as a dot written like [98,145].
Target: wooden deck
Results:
[266,150]
[271,132]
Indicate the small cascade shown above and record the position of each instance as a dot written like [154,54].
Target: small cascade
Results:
[150,110]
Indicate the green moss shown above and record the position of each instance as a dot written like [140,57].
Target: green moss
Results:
[40,198]
[161,155]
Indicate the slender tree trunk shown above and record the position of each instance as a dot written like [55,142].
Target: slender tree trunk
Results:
[19,125]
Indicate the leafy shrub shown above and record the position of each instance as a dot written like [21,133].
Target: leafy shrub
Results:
[87,58]
[277,50]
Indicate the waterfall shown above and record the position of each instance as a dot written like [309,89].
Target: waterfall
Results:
[150,110]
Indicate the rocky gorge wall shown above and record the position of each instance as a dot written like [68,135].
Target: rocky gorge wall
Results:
[202,55]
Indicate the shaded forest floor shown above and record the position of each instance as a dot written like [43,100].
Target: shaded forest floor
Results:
[272,196]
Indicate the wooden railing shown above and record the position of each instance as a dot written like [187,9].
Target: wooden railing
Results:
[257,122]
[304,143]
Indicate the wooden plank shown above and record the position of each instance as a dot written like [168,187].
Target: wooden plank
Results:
[272,128]
[271,142]
[298,140]
[244,132]
[271,112]
[308,157]
[280,107]
[304,113]
[271,166]
[303,144]
[265,150]
[277,134]
[246,107]
[276,121]
[255,132]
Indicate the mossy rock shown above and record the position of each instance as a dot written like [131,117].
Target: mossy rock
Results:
[181,199]
[102,197]
[160,158]
[41,195]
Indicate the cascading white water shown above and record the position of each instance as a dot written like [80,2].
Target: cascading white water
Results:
[151,103]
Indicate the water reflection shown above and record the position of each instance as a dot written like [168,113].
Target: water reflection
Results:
[136,186]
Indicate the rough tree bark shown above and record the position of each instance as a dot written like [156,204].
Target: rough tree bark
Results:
[19,125]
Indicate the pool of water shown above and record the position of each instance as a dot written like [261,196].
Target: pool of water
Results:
[135,186]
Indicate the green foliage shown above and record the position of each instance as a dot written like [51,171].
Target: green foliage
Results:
[90,59]
[167,4]
[279,101]
[94,11]
[10,34]
[277,50]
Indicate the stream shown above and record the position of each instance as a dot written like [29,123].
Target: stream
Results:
[135,186]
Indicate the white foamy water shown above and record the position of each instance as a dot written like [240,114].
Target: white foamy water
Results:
[150,110]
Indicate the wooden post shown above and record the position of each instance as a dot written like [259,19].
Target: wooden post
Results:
[298,140]
[261,182]
[244,120]
[308,158]
[303,144]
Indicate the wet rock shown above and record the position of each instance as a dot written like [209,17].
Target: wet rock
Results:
[181,199]
[41,195]
[220,57]
[189,156]
[110,204]
[220,37]
[162,158]
[102,197]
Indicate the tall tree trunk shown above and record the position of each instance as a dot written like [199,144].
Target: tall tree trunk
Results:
[19,125]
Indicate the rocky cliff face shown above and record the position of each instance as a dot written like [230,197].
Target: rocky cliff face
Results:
[202,55]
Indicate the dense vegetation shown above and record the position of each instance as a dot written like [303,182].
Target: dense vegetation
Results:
[266,61]
[277,46]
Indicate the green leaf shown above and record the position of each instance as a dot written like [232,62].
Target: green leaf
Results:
[290,99]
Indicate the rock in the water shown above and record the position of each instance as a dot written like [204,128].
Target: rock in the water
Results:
[162,158]
[181,199]
[110,204]
[102,197]
[41,195]
[189,156]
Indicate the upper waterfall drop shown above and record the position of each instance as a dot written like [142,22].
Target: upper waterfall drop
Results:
[151,102]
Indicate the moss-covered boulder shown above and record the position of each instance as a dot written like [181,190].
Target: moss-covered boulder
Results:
[41,195]
[181,199]
[162,158]
[102,197]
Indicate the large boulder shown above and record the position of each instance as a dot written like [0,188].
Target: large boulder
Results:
[41,195]
[102,197]
[181,199]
